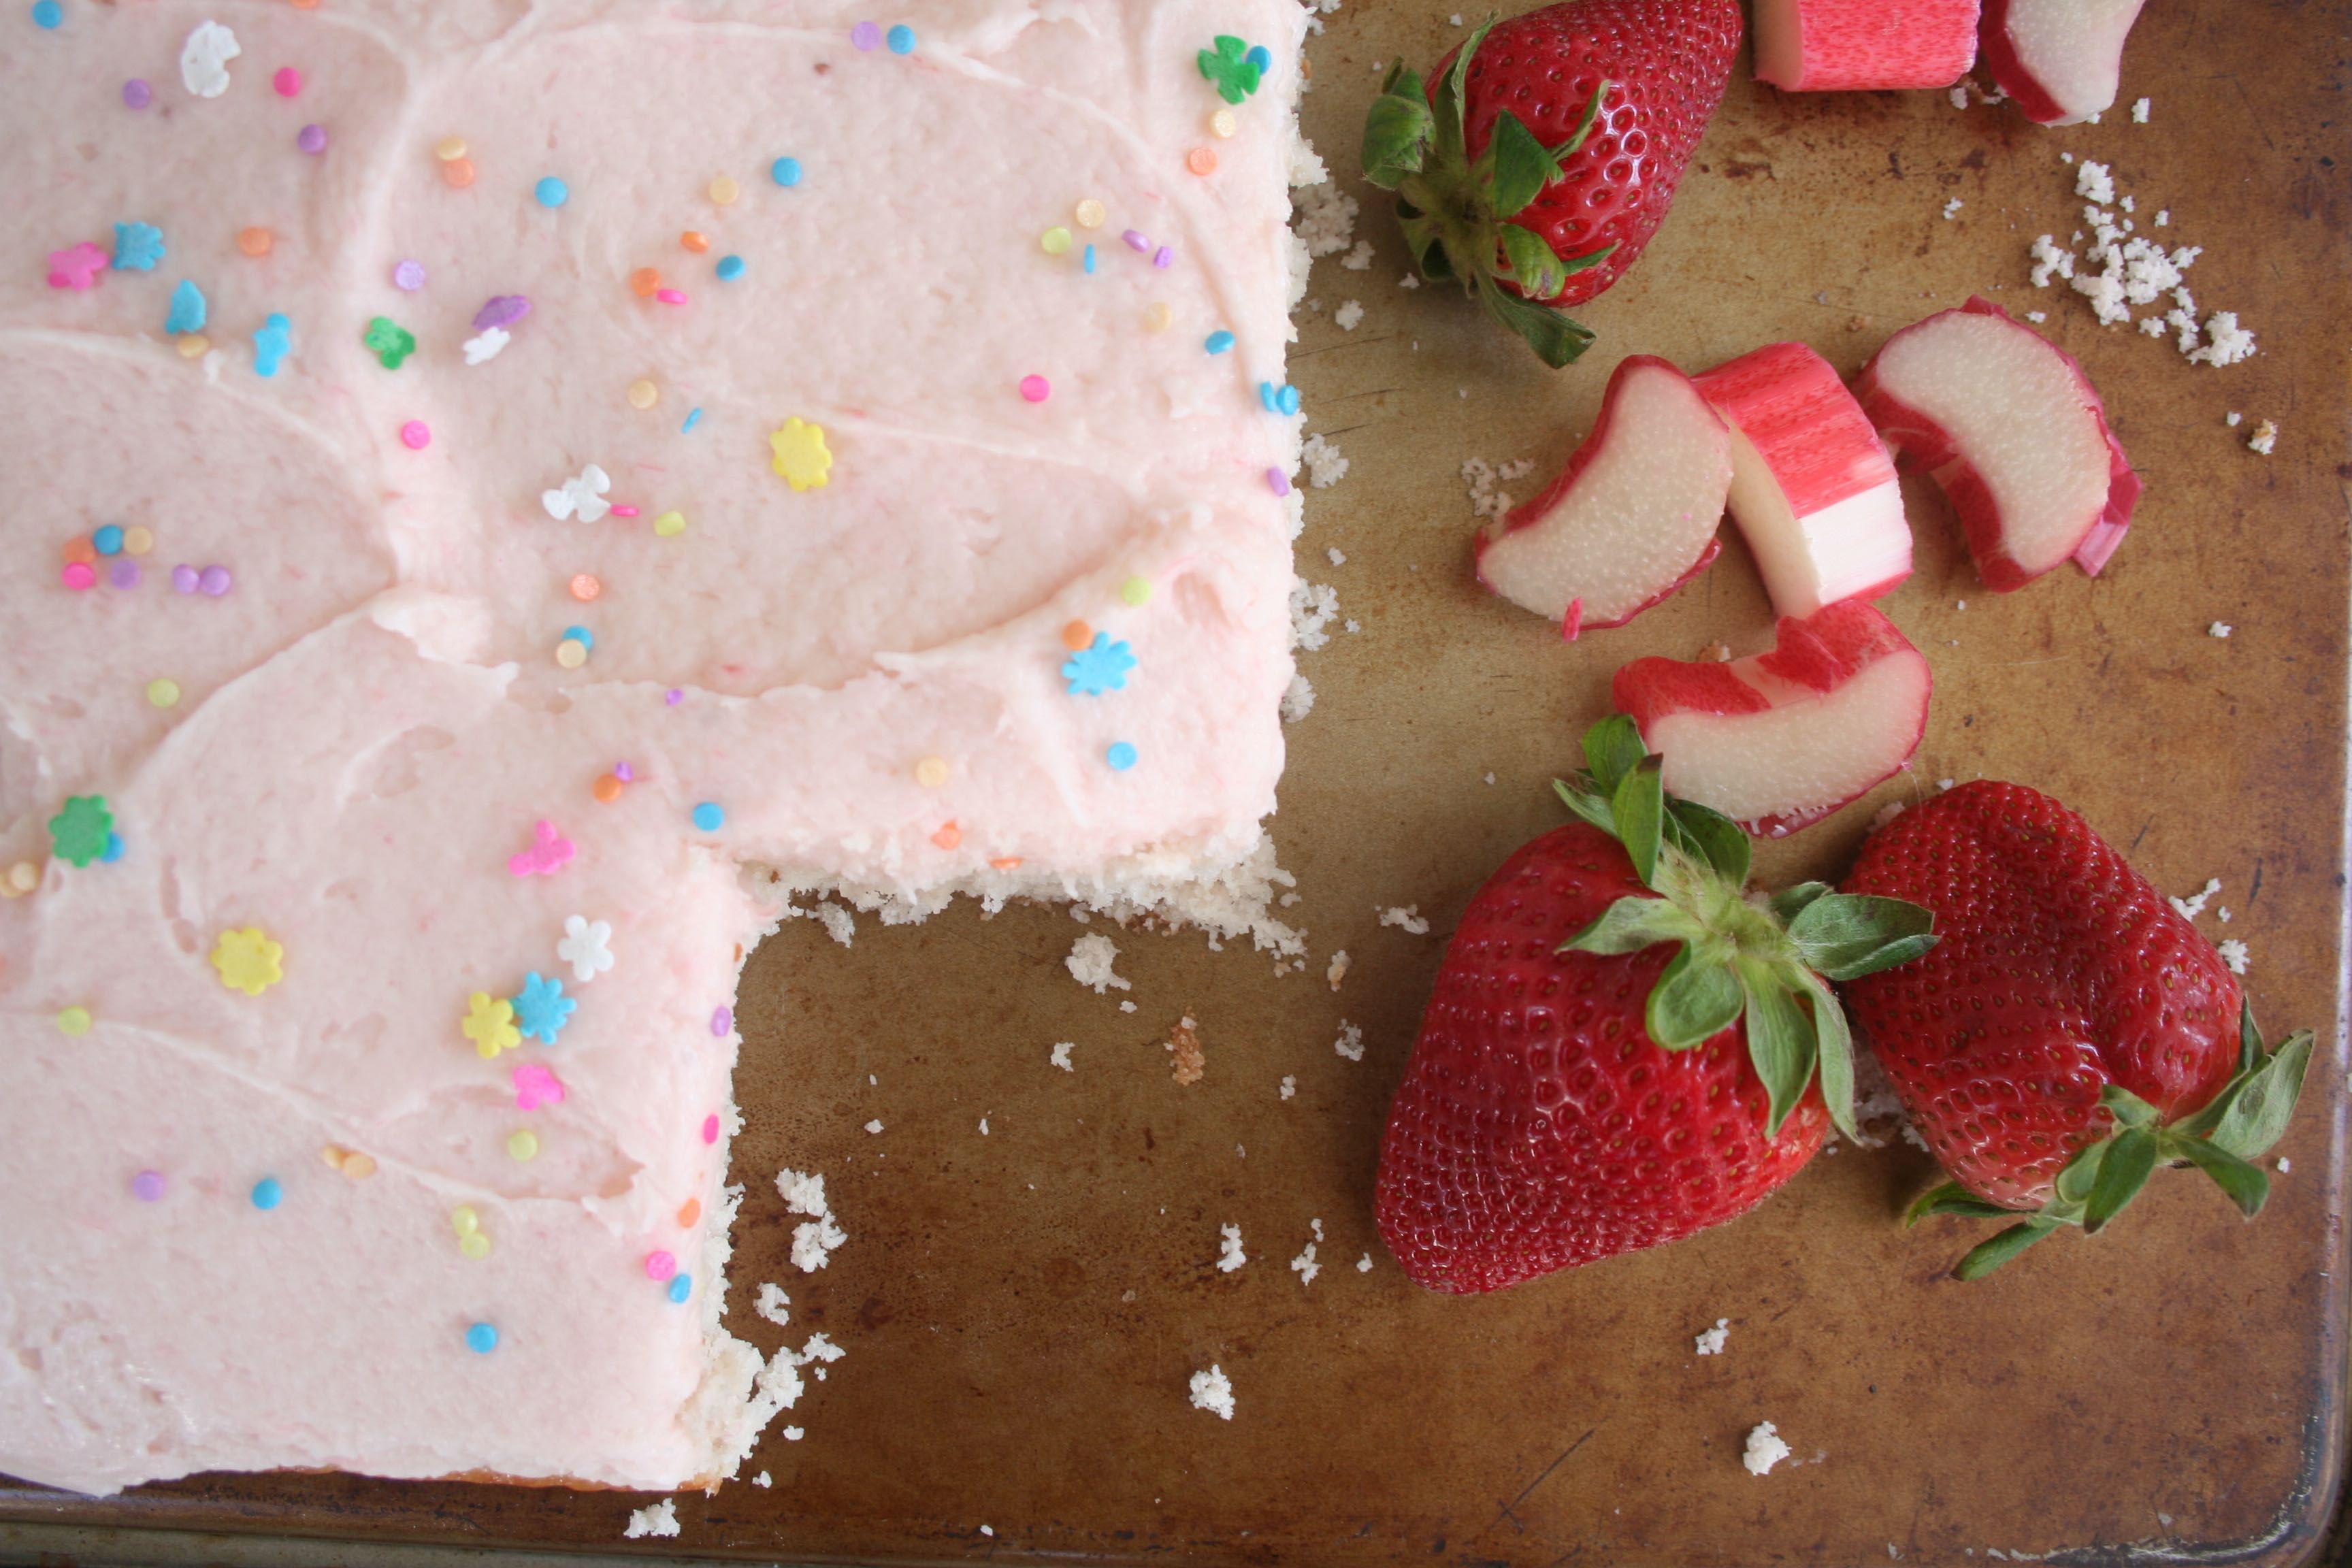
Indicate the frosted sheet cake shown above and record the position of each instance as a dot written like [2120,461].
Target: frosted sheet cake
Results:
[499,497]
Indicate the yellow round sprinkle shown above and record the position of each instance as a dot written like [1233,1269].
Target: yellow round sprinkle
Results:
[1156,317]
[932,772]
[669,524]
[1054,241]
[163,693]
[724,190]
[24,876]
[474,1244]
[1135,591]
[449,149]
[570,654]
[137,541]
[193,345]
[643,393]
[74,1021]
[333,1154]
[464,1220]
[1223,124]
[523,1144]
[1090,214]
[358,1167]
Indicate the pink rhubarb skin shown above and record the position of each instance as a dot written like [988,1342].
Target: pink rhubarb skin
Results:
[1851,46]
[1925,446]
[2010,25]
[1813,660]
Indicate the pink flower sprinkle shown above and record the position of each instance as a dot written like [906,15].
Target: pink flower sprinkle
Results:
[548,853]
[416,436]
[1036,388]
[671,296]
[535,1086]
[287,81]
[78,576]
[77,268]
[660,1265]
[711,1129]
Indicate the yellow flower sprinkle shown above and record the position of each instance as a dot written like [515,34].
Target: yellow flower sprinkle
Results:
[1090,214]
[248,961]
[489,1024]
[643,393]
[800,458]
[163,693]
[724,190]
[1054,241]
[74,1021]
[932,772]
[522,1144]
[669,525]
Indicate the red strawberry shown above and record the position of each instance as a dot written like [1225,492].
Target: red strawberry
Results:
[1580,1089]
[1544,154]
[2071,1029]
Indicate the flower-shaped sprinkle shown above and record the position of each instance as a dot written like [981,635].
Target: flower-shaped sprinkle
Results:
[1101,666]
[248,960]
[389,341]
[483,349]
[583,947]
[271,344]
[800,458]
[137,247]
[581,496]
[548,853]
[489,1024]
[188,310]
[77,267]
[535,1085]
[79,831]
[541,1009]
[204,60]
[1234,66]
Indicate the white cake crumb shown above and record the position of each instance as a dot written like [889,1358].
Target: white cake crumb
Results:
[2233,954]
[1326,218]
[986,1530]
[1490,778]
[1090,960]
[1338,969]
[1710,1342]
[762,1479]
[2140,111]
[838,922]
[2284,1164]
[1765,1449]
[1884,815]
[2233,419]
[1959,96]
[874,1125]
[983,1127]
[1289,1086]
[2190,908]
[2048,261]
[1304,1265]
[2065,157]
[1325,466]
[1408,919]
[2264,439]
[1946,783]
[1213,1390]
[774,1305]
[2093,182]
[1354,625]
[2219,629]
[654,1519]
[815,1242]
[793,1433]
[1298,699]
[2037,317]
[1127,1007]
[1348,315]
[2226,341]
[1480,478]
[1364,1264]
[1313,608]
[1061,1057]
[1410,281]
[1337,556]
[1359,259]
[1230,1255]
[1351,1043]
[2223,914]
[1952,208]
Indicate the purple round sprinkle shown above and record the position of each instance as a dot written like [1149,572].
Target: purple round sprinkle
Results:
[1165,258]
[1136,240]
[214,581]
[502,311]
[674,697]
[722,1022]
[1278,482]
[137,94]
[408,276]
[866,36]
[623,772]
[147,1186]
[124,573]
[311,139]
[183,579]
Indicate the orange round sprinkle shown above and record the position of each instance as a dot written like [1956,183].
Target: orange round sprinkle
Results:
[947,837]
[79,550]
[694,239]
[1077,634]
[255,241]
[643,281]
[1006,862]
[458,172]
[1200,161]
[606,790]
[585,587]
[305,4]
[690,1211]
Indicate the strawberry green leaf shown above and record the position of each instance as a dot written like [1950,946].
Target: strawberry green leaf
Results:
[1522,169]
[1567,150]
[2124,1171]
[2257,1114]
[1405,81]
[1791,902]
[1988,1256]
[1845,936]
[2244,1183]
[1613,749]
[1710,837]
[1590,806]
[1557,339]
[1836,1048]
[1952,1198]
[2074,1183]
[1639,804]
[2250,1039]
[1534,265]
[1397,129]
[2129,1109]
[1451,93]
[1633,923]
[1781,1042]
[1590,258]
[1691,1003]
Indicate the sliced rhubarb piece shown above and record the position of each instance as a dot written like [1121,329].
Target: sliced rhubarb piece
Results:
[1632,519]
[2007,423]
[1813,489]
[1859,46]
[2060,59]
[1779,741]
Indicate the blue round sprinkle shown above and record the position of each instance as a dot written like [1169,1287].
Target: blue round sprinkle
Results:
[1219,341]
[708,818]
[582,635]
[266,1192]
[785,171]
[107,540]
[681,1286]
[482,1338]
[901,40]
[551,192]
[1122,756]
[113,850]
[730,268]
[1090,260]
[1287,400]
[48,14]
[1260,59]
[1266,395]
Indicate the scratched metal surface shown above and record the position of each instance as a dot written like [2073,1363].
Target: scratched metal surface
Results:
[1021,1309]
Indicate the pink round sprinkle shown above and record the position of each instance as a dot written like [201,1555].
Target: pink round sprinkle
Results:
[624,512]
[287,81]
[722,1021]
[123,574]
[408,276]
[147,1186]
[670,296]
[1164,258]
[137,94]
[184,579]
[1278,482]
[866,36]
[1036,388]
[626,774]
[79,577]
[311,139]
[660,1266]
[711,1129]
[215,581]
[1136,240]
[416,435]
[673,696]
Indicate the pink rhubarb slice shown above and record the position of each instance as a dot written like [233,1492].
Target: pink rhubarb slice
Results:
[1847,45]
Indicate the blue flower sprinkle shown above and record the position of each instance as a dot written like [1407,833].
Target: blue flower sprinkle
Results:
[1122,756]
[730,268]
[1099,667]
[271,344]
[551,192]
[1219,341]
[541,1009]
[188,310]
[901,40]
[785,171]
[482,1338]
[137,247]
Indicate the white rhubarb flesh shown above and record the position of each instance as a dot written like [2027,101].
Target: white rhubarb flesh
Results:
[2011,428]
[1634,516]
[1861,45]
[2060,59]
[1812,487]
[1779,741]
